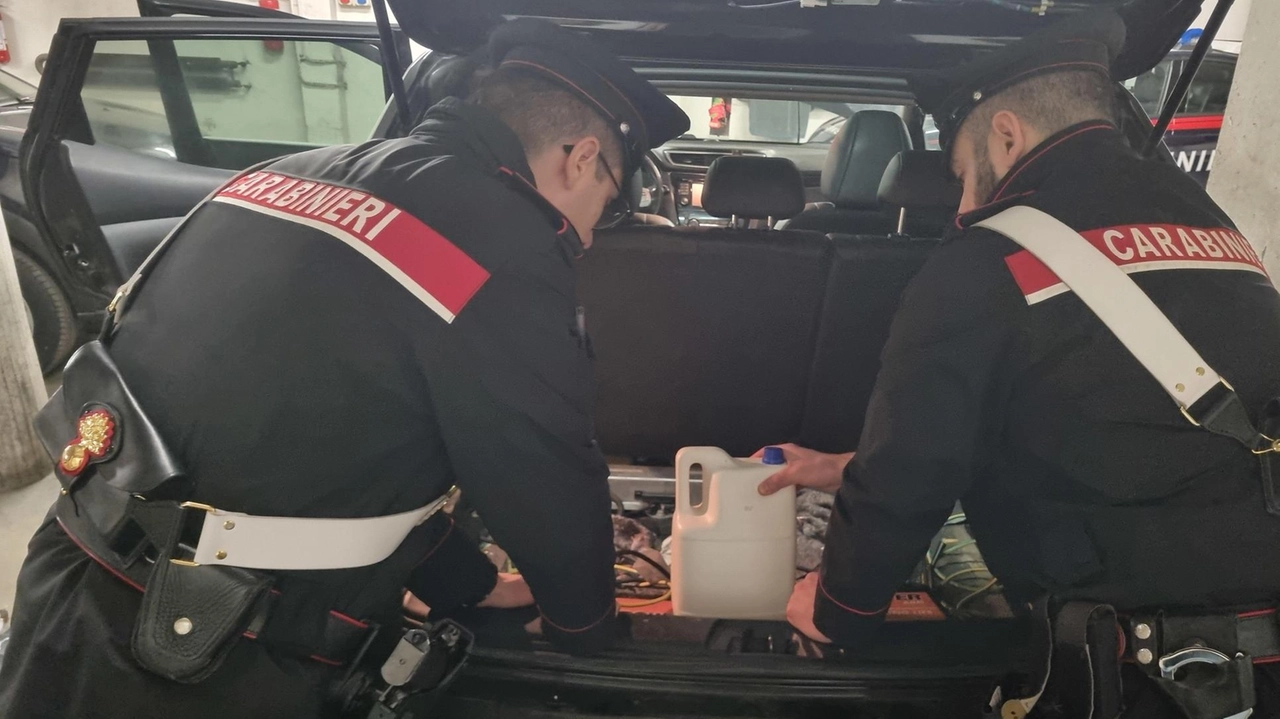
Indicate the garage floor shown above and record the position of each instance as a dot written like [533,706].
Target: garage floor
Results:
[20,513]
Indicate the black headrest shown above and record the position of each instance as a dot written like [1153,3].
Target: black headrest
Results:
[858,156]
[754,188]
[920,179]
[451,77]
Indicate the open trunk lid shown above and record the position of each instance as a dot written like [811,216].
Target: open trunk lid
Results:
[889,36]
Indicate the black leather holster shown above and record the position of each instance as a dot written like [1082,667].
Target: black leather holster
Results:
[121,502]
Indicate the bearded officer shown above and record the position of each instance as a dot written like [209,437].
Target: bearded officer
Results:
[999,387]
[346,333]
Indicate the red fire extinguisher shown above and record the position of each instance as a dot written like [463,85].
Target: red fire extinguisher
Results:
[271,45]
[4,45]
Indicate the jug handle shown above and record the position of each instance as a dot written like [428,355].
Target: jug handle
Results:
[710,458]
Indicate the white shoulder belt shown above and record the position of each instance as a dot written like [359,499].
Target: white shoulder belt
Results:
[1115,298]
[1142,328]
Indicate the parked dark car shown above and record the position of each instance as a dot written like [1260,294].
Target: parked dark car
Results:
[1192,136]
[16,99]
[798,315]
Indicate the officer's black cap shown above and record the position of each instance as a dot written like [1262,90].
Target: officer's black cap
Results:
[1087,41]
[638,112]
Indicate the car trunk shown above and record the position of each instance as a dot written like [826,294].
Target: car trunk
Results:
[673,666]
[919,664]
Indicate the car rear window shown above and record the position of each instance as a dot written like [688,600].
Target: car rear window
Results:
[794,122]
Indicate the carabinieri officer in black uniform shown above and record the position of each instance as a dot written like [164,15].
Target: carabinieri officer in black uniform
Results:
[1082,480]
[342,334]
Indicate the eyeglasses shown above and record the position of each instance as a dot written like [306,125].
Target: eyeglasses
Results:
[617,209]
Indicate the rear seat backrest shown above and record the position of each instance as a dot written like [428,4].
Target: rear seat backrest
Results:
[701,336]
[867,278]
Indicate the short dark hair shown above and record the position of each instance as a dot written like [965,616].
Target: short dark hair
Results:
[543,114]
[1050,102]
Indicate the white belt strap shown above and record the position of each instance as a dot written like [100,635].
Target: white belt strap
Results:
[243,540]
[1114,297]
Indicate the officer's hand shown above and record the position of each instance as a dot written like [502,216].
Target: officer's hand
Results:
[511,592]
[806,468]
[414,606]
[800,608]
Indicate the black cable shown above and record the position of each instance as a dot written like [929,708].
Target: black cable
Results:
[652,562]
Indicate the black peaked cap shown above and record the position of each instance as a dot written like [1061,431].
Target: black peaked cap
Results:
[1088,40]
[638,112]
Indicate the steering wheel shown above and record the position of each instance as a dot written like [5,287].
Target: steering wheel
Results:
[658,189]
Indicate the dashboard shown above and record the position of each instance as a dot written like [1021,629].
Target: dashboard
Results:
[689,210]
[684,164]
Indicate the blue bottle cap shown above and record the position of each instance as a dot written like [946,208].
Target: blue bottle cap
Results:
[773,455]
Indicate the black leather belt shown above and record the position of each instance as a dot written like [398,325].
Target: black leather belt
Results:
[1254,632]
[334,639]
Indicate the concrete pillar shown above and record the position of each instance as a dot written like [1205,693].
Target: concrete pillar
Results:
[1232,31]
[1246,173]
[22,458]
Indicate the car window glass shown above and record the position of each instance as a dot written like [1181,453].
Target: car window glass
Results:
[793,122]
[1149,87]
[1210,89]
[122,102]
[239,100]
[931,141]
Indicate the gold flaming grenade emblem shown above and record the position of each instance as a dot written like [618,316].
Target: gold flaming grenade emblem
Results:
[95,433]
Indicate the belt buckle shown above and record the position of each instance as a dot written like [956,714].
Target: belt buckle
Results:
[206,508]
[1186,411]
[1170,664]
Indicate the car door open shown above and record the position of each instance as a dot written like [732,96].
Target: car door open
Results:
[139,118]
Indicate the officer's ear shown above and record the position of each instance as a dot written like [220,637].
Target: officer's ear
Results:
[1010,139]
[580,161]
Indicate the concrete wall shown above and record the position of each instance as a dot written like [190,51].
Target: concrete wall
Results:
[1231,33]
[1246,172]
[30,25]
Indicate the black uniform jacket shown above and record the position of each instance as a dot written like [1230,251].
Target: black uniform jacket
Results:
[348,332]
[999,387]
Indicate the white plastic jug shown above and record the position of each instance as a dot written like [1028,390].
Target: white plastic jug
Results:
[734,554]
